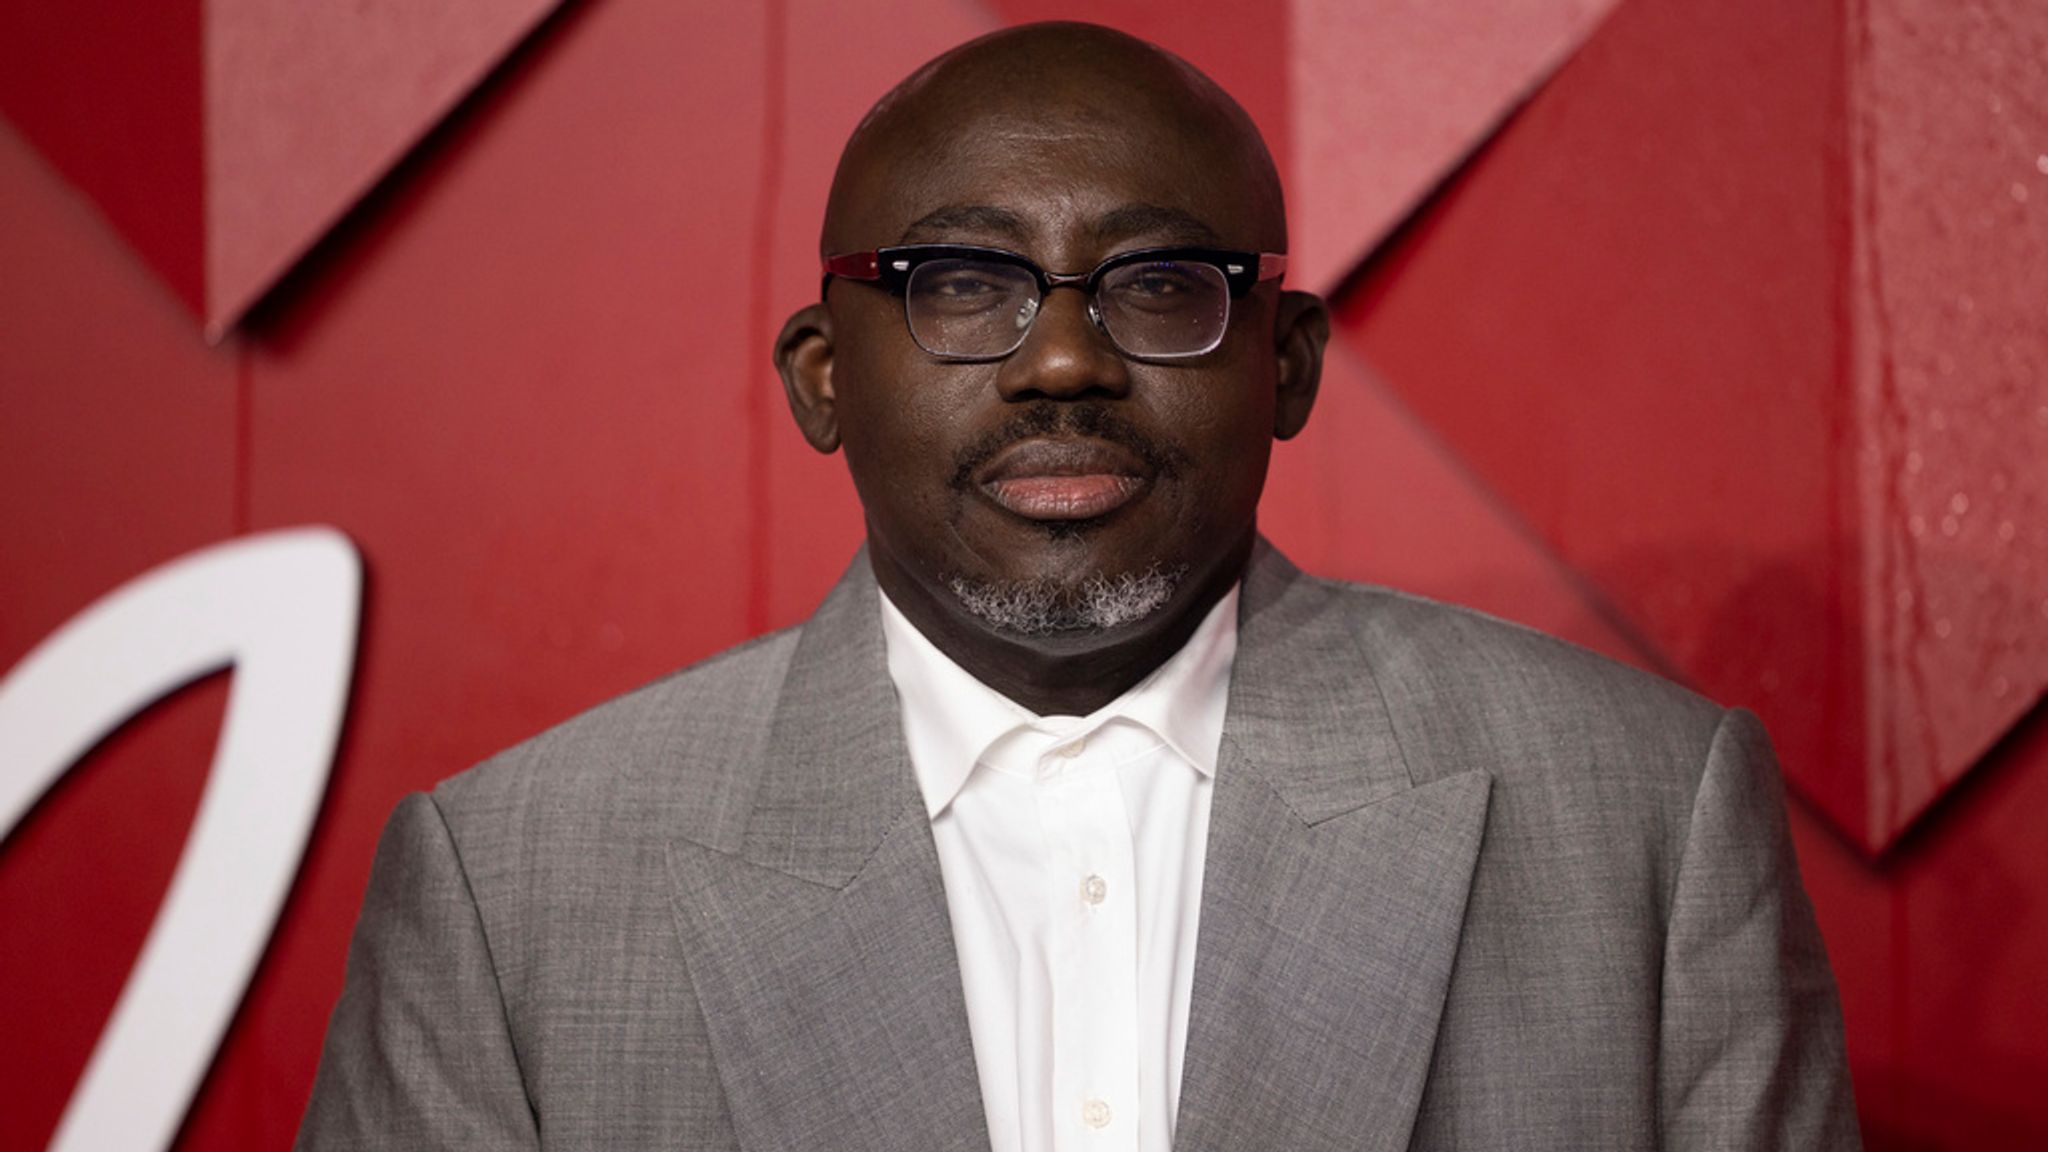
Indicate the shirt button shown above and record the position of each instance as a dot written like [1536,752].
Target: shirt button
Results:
[1069,751]
[1095,1114]
[1095,890]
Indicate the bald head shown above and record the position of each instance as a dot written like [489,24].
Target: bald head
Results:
[1099,98]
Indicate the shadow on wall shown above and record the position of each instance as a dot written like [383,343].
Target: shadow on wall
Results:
[1964,1123]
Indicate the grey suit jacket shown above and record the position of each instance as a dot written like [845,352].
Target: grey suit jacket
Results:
[1468,887]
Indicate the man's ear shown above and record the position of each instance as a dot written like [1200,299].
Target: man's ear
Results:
[1301,326]
[803,356]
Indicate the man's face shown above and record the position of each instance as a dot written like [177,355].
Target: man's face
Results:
[1067,461]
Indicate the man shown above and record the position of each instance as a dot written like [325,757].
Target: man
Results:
[1076,817]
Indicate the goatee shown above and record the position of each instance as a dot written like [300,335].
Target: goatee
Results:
[1041,607]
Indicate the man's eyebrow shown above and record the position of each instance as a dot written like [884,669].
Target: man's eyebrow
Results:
[976,218]
[1166,223]
[1173,225]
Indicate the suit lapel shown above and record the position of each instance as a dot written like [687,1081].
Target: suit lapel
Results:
[822,956]
[1332,898]
[819,945]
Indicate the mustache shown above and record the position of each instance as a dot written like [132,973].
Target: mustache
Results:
[1078,420]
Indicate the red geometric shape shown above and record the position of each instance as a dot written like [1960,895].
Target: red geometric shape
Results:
[1388,98]
[264,120]
[1949,153]
[307,105]
[109,92]
[1722,376]
[1368,493]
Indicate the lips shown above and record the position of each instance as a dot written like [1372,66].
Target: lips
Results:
[1058,479]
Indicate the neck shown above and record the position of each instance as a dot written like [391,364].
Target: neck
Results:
[1064,673]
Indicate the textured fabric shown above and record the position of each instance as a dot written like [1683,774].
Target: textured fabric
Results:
[1467,888]
[1071,849]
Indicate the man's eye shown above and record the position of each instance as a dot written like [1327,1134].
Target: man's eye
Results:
[1159,281]
[964,284]
[964,289]
[1161,286]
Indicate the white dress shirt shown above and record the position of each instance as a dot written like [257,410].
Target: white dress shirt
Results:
[1071,849]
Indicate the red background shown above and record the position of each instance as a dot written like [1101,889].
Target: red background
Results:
[1690,362]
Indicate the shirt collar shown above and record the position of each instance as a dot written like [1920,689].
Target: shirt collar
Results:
[950,719]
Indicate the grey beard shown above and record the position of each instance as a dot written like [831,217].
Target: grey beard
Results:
[1039,607]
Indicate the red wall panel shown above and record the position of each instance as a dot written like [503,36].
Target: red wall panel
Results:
[1951,265]
[111,92]
[1939,954]
[515,383]
[308,105]
[1625,316]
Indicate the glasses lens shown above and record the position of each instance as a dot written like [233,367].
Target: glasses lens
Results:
[970,308]
[1165,308]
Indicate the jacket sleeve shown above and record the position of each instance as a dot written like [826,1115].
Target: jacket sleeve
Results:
[418,1053]
[1750,1041]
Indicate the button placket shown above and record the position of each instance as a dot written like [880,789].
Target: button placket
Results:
[1058,805]
[1110,933]
[1093,945]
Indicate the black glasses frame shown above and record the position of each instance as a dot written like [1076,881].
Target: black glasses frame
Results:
[891,267]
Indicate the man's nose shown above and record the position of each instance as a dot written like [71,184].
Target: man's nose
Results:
[1065,355]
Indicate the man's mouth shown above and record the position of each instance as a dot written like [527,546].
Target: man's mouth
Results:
[1060,479]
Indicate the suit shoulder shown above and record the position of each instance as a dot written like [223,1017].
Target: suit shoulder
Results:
[669,754]
[1460,680]
[1596,767]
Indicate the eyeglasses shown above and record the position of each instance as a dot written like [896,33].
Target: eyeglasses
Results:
[969,303]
